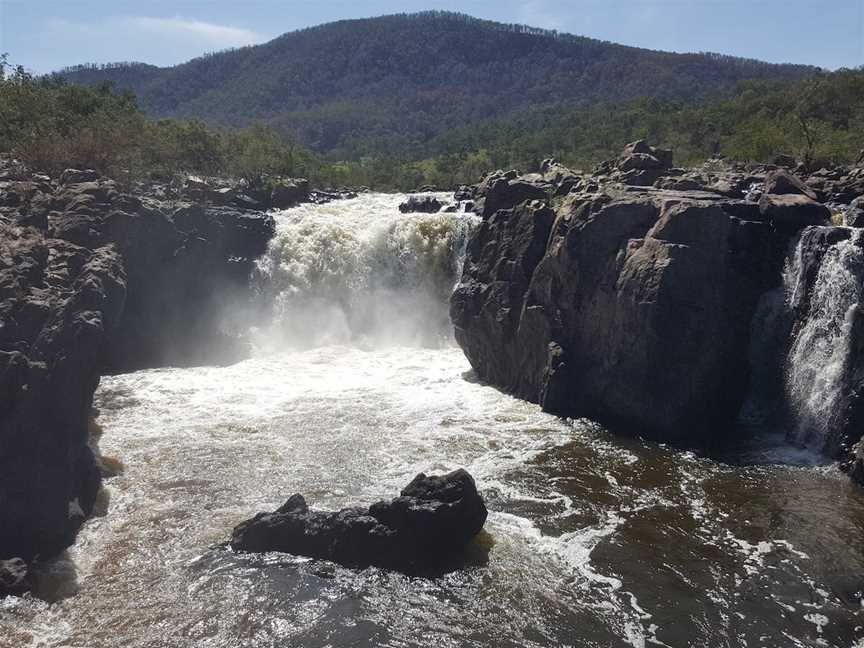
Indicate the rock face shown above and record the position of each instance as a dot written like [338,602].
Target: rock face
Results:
[432,520]
[183,262]
[93,279]
[793,210]
[628,311]
[626,303]
[58,303]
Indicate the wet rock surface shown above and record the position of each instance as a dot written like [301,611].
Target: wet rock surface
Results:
[431,522]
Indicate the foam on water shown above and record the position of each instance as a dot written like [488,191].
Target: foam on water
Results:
[595,540]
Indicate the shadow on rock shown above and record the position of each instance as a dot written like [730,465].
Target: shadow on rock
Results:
[430,529]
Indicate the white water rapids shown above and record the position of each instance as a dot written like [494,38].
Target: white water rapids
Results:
[592,540]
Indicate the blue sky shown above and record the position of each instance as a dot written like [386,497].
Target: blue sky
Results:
[44,35]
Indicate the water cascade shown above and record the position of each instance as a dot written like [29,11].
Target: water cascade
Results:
[359,270]
[592,539]
[802,341]
[819,353]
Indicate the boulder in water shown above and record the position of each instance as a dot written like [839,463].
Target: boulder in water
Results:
[422,204]
[433,519]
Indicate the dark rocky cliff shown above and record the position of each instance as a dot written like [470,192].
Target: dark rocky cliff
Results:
[93,279]
[627,295]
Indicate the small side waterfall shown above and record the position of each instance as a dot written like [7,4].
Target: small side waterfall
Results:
[803,352]
[819,353]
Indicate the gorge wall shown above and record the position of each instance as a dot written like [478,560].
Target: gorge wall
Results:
[94,279]
[628,295]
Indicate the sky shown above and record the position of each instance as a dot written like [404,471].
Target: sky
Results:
[45,35]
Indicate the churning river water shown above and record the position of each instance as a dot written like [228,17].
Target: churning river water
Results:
[592,540]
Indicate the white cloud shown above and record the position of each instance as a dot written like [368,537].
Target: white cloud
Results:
[540,13]
[157,40]
[217,35]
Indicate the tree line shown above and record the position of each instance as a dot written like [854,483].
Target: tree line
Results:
[54,125]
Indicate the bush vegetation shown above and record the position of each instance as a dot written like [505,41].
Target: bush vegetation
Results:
[385,86]
[53,125]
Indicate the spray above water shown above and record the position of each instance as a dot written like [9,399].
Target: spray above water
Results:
[360,271]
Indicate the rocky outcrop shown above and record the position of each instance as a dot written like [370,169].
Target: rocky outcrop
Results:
[94,279]
[432,521]
[58,302]
[626,303]
[781,183]
[422,204]
[628,311]
[268,192]
[642,156]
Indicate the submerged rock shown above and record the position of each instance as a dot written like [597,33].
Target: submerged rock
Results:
[432,520]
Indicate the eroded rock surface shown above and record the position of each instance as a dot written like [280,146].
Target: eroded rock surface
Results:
[432,520]
[627,294]
[94,279]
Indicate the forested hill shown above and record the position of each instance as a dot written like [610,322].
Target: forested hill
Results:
[392,83]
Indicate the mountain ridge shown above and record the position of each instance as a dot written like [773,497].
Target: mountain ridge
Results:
[390,83]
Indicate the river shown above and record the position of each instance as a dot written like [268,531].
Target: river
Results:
[354,387]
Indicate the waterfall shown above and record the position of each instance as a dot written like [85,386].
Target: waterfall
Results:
[359,270]
[819,350]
